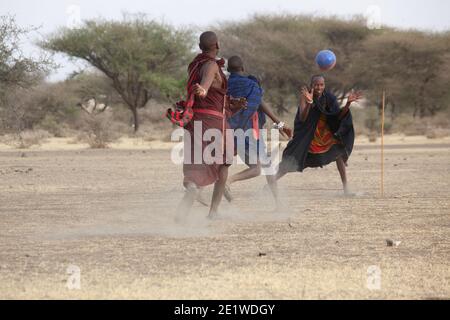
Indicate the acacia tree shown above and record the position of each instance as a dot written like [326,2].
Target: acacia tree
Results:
[141,57]
[16,69]
[18,73]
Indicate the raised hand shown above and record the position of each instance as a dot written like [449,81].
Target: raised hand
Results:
[354,96]
[309,95]
[287,132]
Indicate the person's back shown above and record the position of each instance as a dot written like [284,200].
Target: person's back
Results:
[252,150]
[243,86]
[240,85]
[214,100]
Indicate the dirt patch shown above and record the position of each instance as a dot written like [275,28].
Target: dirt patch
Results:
[110,212]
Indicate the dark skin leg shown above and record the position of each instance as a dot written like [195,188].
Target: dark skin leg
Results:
[273,185]
[255,171]
[342,171]
[252,172]
[186,203]
[200,198]
[280,174]
[219,189]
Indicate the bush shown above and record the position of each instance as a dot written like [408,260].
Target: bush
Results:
[98,131]
[436,133]
[50,124]
[26,139]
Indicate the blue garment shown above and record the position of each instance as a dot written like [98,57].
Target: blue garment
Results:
[249,88]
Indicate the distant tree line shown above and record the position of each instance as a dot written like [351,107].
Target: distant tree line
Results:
[412,66]
[138,59]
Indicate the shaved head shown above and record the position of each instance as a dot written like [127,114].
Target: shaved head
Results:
[208,41]
[235,64]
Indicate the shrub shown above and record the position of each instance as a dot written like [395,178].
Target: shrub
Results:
[98,131]
[26,139]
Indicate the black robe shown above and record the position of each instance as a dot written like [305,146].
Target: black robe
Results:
[296,156]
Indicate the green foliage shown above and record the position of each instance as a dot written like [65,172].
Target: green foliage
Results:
[142,58]
[281,50]
[412,66]
[18,74]
[169,87]
[139,60]
[17,70]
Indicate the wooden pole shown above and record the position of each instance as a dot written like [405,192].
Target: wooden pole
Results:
[383,105]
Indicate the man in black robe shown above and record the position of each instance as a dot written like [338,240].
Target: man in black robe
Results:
[323,132]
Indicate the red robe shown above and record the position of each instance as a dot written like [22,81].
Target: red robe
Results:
[210,111]
[323,137]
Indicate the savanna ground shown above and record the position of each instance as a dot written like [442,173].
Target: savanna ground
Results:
[110,212]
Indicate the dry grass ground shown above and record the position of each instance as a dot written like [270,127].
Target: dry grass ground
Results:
[110,212]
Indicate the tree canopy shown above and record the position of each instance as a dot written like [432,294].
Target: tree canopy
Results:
[412,66]
[141,57]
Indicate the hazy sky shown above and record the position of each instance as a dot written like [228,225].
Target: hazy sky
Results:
[50,14]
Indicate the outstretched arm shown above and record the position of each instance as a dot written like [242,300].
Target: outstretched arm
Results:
[208,72]
[306,100]
[352,97]
[268,110]
[284,130]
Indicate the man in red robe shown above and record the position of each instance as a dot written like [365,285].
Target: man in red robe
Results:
[207,87]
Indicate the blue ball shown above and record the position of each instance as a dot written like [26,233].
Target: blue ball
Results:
[326,60]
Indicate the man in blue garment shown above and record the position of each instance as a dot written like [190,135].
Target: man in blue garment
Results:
[253,118]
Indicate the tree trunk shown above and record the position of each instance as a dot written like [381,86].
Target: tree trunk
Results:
[135,118]
[393,110]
